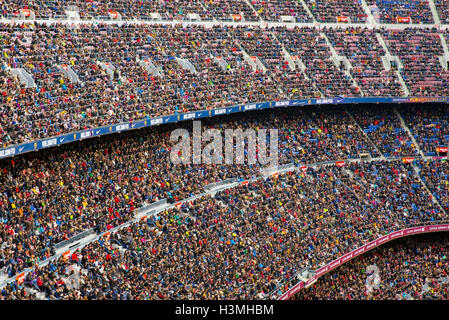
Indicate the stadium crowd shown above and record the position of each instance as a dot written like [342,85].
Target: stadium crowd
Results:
[419,51]
[99,183]
[429,126]
[365,54]
[142,71]
[384,127]
[331,11]
[128,10]
[402,11]
[407,269]
[246,242]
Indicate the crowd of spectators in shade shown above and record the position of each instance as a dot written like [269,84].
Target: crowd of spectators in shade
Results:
[429,126]
[99,183]
[384,127]
[57,105]
[247,242]
[436,177]
[407,269]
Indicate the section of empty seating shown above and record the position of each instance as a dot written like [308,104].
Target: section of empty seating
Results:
[385,130]
[406,269]
[309,46]
[274,10]
[337,10]
[443,10]
[365,54]
[419,50]
[429,126]
[401,11]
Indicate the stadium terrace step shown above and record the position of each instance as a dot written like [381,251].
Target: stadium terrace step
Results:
[193,17]
[254,62]
[371,20]
[444,60]
[303,3]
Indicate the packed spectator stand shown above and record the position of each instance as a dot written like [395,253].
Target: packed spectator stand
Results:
[304,11]
[402,11]
[407,269]
[443,10]
[196,67]
[340,209]
[365,53]
[95,73]
[419,51]
[337,11]
[276,10]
